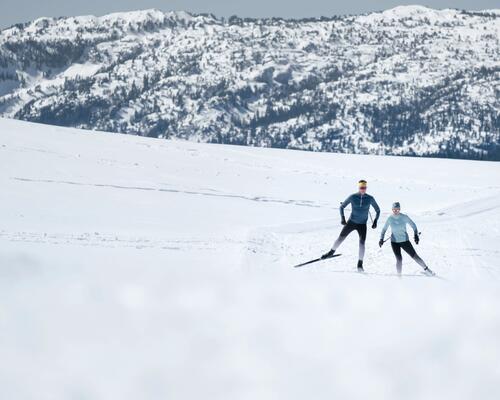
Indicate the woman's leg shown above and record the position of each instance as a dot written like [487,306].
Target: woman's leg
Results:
[396,248]
[408,247]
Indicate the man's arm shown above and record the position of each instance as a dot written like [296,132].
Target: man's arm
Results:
[376,207]
[343,205]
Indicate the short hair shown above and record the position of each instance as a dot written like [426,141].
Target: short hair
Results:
[362,181]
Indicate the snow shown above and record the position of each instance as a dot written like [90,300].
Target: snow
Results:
[81,70]
[134,16]
[143,268]
[412,11]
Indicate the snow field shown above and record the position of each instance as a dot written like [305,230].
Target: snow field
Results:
[140,268]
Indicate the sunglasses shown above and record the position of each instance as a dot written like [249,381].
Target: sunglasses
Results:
[362,188]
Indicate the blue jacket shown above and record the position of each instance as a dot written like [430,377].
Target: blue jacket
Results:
[398,228]
[360,205]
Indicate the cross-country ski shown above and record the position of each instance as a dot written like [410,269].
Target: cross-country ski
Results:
[316,260]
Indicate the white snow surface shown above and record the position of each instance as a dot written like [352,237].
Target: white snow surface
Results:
[135,268]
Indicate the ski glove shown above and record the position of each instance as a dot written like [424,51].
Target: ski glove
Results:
[381,242]
[343,222]
[374,226]
[417,239]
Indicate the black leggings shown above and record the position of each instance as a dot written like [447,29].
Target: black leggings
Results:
[350,227]
[408,247]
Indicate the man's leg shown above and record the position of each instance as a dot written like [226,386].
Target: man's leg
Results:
[362,239]
[396,248]
[346,230]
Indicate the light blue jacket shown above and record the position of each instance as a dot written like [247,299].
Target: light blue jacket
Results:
[360,205]
[398,227]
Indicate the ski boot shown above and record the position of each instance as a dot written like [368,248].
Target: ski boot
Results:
[328,255]
[428,272]
[360,266]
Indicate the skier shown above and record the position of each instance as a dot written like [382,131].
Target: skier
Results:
[360,206]
[400,240]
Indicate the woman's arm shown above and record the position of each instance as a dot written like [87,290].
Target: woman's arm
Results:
[412,224]
[384,229]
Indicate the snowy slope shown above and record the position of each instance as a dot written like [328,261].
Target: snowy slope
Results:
[143,268]
[409,81]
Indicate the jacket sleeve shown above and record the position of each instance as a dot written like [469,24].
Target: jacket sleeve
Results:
[344,204]
[376,207]
[412,224]
[384,229]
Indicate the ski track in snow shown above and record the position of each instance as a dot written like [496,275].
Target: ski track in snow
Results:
[302,203]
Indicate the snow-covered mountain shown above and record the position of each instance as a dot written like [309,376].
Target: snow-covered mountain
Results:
[134,268]
[410,80]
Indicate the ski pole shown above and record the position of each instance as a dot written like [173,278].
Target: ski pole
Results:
[385,240]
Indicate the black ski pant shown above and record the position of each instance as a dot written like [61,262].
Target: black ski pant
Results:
[408,247]
[348,228]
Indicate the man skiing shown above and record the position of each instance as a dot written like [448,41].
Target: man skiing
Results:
[360,204]
[400,240]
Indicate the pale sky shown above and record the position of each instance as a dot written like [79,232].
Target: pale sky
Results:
[12,12]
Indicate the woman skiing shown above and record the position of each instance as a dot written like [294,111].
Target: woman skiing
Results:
[400,240]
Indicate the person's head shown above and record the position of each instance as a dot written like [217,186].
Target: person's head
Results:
[362,186]
[396,208]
